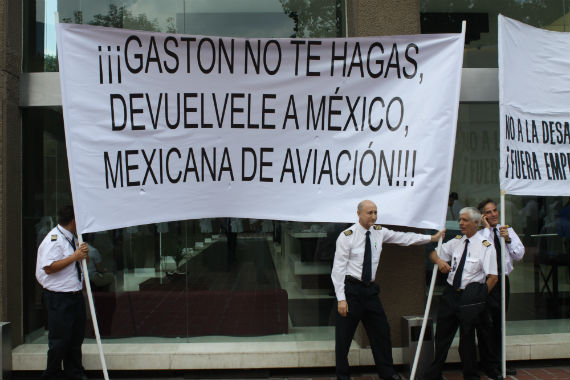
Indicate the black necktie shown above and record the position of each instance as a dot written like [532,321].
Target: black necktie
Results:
[459,272]
[72,243]
[367,264]
[77,265]
[497,249]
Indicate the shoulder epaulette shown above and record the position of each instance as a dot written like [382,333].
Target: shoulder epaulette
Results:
[54,237]
[458,236]
[377,227]
[480,228]
[506,225]
[348,232]
[486,243]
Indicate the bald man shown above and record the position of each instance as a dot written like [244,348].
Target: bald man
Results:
[354,270]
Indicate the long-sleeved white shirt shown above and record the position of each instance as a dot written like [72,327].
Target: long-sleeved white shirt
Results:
[349,254]
[514,249]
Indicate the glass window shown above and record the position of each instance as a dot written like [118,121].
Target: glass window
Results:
[237,278]
[231,18]
[194,278]
[191,279]
[45,189]
[444,16]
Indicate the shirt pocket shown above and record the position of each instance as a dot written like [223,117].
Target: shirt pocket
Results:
[375,254]
[472,266]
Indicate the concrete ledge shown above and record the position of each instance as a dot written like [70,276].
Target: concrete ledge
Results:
[250,355]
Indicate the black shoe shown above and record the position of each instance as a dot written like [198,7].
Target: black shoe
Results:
[511,371]
[495,377]
[394,377]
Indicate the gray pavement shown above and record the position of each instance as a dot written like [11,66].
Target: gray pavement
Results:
[530,370]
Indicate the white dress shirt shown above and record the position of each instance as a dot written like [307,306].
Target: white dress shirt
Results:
[349,254]
[514,249]
[56,246]
[480,261]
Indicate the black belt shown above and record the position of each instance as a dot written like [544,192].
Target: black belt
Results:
[354,280]
[75,292]
[455,290]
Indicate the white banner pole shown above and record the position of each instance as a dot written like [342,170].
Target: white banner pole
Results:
[432,284]
[503,304]
[93,316]
[426,314]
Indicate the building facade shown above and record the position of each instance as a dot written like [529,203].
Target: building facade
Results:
[254,293]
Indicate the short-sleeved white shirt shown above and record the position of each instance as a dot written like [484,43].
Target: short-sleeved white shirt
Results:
[479,263]
[55,247]
[349,254]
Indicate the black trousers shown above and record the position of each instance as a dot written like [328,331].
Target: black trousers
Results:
[489,333]
[66,325]
[458,310]
[363,305]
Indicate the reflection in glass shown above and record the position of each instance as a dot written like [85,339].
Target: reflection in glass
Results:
[444,16]
[215,277]
[231,277]
[232,18]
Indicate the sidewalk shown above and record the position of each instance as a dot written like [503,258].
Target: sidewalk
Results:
[552,370]
[550,373]
[531,370]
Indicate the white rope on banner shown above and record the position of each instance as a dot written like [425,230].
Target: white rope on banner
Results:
[88,288]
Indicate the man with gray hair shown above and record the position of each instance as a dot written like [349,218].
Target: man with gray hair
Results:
[469,261]
[356,259]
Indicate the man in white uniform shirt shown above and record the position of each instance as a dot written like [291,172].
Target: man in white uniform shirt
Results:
[58,272]
[490,343]
[470,264]
[354,270]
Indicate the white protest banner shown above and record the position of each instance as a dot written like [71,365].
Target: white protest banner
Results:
[534,100]
[164,127]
